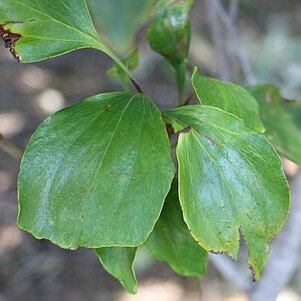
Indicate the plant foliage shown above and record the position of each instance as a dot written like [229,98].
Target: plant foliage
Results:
[100,174]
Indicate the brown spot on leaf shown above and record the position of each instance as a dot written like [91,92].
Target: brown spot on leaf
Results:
[13,22]
[216,252]
[207,137]
[268,97]
[108,108]
[186,130]
[254,276]
[169,130]
[10,39]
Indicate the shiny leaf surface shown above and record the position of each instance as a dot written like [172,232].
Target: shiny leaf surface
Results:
[172,242]
[282,120]
[230,181]
[37,30]
[119,263]
[96,174]
[229,97]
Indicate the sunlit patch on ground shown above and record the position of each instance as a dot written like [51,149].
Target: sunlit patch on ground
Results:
[10,238]
[288,295]
[11,123]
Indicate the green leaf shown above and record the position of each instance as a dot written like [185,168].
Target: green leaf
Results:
[38,30]
[172,242]
[119,263]
[131,62]
[120,19]
[96,174]
[281,118]
[293,107]
[169,35]
[229,97]
[230,180]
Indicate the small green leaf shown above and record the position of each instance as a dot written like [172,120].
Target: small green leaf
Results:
[229,97]
[171,241]
[281,118]
[131,62]
[169,35]
[293,107]
[96,174]
[119,263]
[230,180]
[43,29]
[120,19]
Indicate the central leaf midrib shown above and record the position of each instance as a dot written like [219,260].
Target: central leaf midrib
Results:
[234,209]
[138,148]
[62,158]
[100,164]
[61,23]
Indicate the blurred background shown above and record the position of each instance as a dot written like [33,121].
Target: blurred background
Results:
[262,43]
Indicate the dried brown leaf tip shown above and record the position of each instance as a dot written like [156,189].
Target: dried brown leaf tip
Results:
[9,40]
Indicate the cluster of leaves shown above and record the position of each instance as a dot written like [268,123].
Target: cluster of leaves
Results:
[100,174]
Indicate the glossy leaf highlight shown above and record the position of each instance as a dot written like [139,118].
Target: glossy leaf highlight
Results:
[96,174]
[38,30]
[229,97]
[230,181]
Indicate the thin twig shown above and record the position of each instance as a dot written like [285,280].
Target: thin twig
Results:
[234,33]
[233,9]
[10,148]
[136,85]
[219,41]
[188,99]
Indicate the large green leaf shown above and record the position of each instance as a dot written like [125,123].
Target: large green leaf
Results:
[169,35]
[119,263]
[171,241]
[229,97]
[37,30]
[230,180]
[120,19]
[96,174]
[281,118]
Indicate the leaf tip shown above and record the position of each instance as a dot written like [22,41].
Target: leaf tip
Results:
[195,70]
[255,273]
